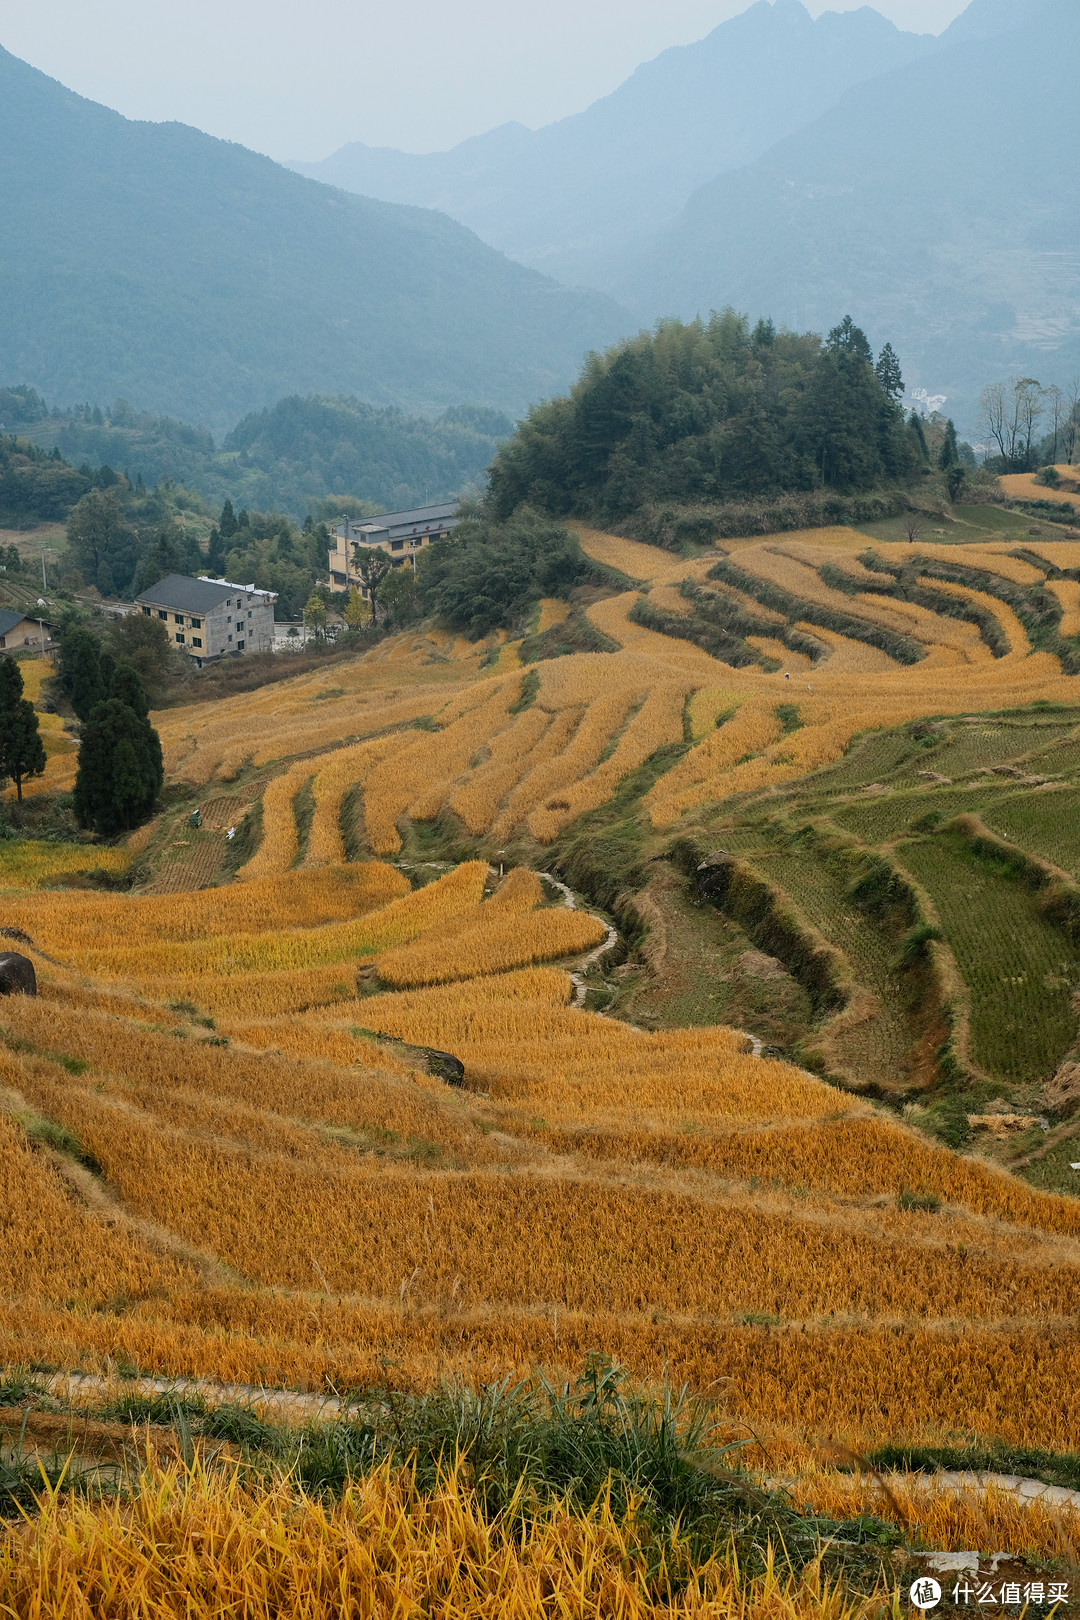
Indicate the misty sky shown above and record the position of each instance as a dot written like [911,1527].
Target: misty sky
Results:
[298,80]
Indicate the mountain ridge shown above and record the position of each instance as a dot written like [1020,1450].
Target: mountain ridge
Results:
[155,262]
[946,229]
[570,197]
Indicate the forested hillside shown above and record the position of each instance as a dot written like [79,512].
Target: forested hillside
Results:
[291,458]
[152,262]
[685,432]
[711,411]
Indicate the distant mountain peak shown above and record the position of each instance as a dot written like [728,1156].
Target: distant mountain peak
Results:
[573,197]
[986,19]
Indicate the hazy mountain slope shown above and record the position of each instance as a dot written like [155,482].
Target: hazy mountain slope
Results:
[152,261]
[938,203]
[569,198]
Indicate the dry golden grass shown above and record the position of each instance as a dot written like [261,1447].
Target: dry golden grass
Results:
[658,721]
[552,612]
[1067,592]
[282,1220]
[344,768]
[983,1518]
[535,771]
[198,1544]
[53,1250]
[993,557]
[511,755]
[1022,487]
[30,865]
[417,777]
[642,1192]
[782,653]
[279,844]
[282,951]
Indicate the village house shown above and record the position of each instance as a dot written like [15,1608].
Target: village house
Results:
[210,618]
[16,631]
[400,534]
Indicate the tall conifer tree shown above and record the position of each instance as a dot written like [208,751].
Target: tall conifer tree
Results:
[22,752]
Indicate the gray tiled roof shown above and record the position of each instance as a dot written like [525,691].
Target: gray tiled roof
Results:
[9,618]
[416,516]
[185,595]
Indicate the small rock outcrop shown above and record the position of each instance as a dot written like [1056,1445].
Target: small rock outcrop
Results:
[445,1066]
[17,976]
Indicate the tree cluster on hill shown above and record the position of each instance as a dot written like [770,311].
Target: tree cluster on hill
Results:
[40,487]
[120,770]
[122,540]
[313,448]
[268,549]
[711,410]
[1028,426]
[486,572]
[317,454]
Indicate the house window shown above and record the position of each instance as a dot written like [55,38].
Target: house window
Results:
[178,618]
[239,646]
[230,637]
[162,614]
[196,641]
[196,624]
[396,545]
[179,635]
[146,611]
[239,624]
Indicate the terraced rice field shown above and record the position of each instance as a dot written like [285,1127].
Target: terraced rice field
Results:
[1020,970]
[231,1152]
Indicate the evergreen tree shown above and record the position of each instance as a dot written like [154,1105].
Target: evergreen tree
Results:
[849,340]
[227,523]
[915,424]
[22,753]
[215,554]
[888,373]
[120,769]
[126,684]
[954,479]
[80,670]
[950,453]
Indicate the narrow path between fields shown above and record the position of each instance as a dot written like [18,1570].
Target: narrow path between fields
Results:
[284,1401]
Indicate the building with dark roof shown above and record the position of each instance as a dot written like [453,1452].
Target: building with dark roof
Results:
[209,618]
[400,534]
[16,630]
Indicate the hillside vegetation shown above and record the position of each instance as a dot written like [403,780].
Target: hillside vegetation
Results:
[711,411]
[305,454]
